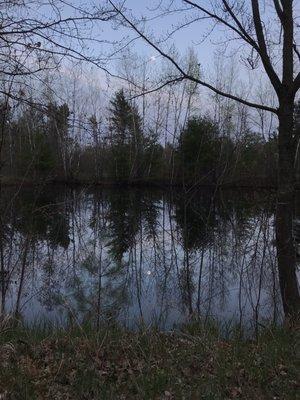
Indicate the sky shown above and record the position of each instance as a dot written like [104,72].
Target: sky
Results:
[164,24]
[197,35]
[159,27]
[206,44]
[251,84]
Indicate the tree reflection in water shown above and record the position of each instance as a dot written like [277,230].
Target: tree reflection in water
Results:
[139,256]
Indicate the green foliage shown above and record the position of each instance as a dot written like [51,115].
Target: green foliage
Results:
[198,149]
[57,131]
[250,152]
[134,155]
[124,120]
[44,160]
[126,138]
[204,156]
[40,145]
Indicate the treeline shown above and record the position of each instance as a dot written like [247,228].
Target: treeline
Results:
[48,144]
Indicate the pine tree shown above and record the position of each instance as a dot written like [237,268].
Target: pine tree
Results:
[127,138]
[58,135]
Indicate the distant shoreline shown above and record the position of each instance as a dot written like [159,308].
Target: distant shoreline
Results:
[5,182]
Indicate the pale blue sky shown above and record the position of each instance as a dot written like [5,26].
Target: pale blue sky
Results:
[191,36]
[160,26]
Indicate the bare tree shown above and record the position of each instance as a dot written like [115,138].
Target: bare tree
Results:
[267,31]
[38,36]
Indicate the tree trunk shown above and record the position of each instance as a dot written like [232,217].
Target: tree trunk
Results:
[286,254]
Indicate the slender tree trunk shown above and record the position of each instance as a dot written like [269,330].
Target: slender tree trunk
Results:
[286,254]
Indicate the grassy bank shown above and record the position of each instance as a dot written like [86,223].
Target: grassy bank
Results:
[194,363]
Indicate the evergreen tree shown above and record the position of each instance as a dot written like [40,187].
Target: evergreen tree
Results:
[127,138]
[58,136]
[197,150]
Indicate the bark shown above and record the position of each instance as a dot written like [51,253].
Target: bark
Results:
[286,253]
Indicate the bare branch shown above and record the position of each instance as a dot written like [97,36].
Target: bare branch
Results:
[212,15]
[296,83]
[169,82]
[263,47]
[297,51]
[186,75]
[278,9]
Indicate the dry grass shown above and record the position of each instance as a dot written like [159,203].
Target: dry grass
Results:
[194,363]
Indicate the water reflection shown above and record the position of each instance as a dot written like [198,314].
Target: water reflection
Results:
[138,256]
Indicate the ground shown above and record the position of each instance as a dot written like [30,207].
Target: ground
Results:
[111,363]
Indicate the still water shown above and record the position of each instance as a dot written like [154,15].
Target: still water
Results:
[151,257]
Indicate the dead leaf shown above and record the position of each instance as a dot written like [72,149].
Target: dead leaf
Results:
[235,392]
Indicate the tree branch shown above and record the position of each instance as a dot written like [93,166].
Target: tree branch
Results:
[184,74]
[169,82]
[263,52]
[296,51]
[241,33]
[260,47]
[278,9]
[296,83]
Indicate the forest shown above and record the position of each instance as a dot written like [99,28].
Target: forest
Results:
[149,199]
[119,147]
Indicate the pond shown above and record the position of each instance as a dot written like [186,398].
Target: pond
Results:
[139,256]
